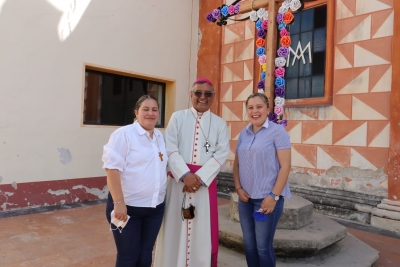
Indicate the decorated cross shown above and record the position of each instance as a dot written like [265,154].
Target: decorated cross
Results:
[271,58]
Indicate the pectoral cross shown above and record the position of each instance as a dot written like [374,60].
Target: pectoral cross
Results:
[207,145]
[160,155]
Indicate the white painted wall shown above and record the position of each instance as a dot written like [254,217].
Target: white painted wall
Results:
[41,74]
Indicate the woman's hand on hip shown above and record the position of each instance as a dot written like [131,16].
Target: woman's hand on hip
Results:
[244,197]
[268,204]
[120,211]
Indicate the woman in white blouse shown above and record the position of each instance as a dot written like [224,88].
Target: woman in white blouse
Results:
[135,160]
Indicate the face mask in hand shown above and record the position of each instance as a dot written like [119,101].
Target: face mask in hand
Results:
[119,224]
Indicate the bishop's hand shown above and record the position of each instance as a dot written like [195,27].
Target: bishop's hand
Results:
[192,183]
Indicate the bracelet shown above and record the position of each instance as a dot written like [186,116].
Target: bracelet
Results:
[238,189]
[117,202]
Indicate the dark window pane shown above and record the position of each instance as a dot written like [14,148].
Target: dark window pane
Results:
[307,20]
[318,66]
[305,39]
[295,26]
[305,87]
[91,112]
[291,88]
[112,108]
[293,70]
[319,40]
[320,17]
[318,83]
[305,69]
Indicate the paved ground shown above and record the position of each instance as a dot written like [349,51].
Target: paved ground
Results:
[80,236]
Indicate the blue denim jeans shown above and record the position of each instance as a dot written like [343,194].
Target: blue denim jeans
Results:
[258,236]
[136,241]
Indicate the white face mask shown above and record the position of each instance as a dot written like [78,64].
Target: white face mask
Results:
[119,224]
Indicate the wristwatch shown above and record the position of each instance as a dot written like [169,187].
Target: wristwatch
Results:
[274,196]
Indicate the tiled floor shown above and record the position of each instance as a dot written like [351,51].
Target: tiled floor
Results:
[81,237]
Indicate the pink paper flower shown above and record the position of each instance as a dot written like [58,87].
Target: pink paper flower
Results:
[264,24]
[284,32]
[262,59]
[279,72]
[231,10]
[278,110]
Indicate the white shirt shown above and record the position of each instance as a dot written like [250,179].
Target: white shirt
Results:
[143,175]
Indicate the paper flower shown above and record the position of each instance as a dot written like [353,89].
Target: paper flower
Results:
[283,51]
[210,17]
[283,9]
[279,18]
[253,16]
[295,5]
[283,122]
[279,82]
[231,10]
[280,62]
[259,24]
[237,8]
[260,13]
[288,17]
[261,85]
[285,41]
[281,26]
[278,110]
[279,91]
[265,16]
[261,91]
[286,3]
[216,13]
[262,75]
[225,11]
[264,66]
[260,51]
[260,42]
[262,59]
[280,72]
[264,24]
[261,33]
[279,101]
[272,117]
[284,32]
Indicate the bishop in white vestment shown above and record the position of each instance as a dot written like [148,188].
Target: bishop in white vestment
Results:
[197,142]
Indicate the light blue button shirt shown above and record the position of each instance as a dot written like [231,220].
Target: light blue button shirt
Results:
[258,160]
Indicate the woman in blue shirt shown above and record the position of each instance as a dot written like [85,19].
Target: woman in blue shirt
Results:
[260,172]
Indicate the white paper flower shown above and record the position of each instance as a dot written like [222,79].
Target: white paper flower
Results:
[260,12]
[265,15]
[253,16]
[283,10]
[286,3]
[261,91]
[295,5]
[280,62]
[279,101]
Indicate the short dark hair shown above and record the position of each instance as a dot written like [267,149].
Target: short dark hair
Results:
[260,95]
[142,99]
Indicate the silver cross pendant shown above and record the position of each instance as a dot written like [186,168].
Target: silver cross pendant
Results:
[207,145]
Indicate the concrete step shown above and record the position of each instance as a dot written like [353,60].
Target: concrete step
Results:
[322,233]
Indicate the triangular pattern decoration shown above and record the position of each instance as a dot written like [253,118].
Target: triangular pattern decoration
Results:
[299,160]
[241,90]
[363,57]
[347,50]
[339,154]
[378,157]
[229,125]
[227,53]
[358,161]
[358,137]
[312,128]
[244,113]
[249,30]
[378,74]
[340,60]
[369,6]
[378,102]
[237,127]
[324,161]
[373,52]
[354,29]
[228,114]
[244,50]
[343,104]
[248,70]
[322,137]
[310,112]
[387,2]
[341,129]
[378,134]
[358,85]
[233,33]
[361,111]
[226,92]
[345,8]
[294,130]
[382,24]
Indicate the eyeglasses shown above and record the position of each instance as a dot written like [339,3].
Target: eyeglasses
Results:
[200,93]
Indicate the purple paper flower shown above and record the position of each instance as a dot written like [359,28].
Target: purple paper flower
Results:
[261,85]
[279,82]
[272,117]
[279,91]
[210,17]
[261,33]
[260,51]
[237,7]
[279,18]
[283,51]
[216,13]
[283,122]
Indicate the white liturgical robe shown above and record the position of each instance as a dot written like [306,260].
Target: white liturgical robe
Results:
[188,242]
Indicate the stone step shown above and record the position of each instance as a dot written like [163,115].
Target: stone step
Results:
[297,212]
[316,236]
